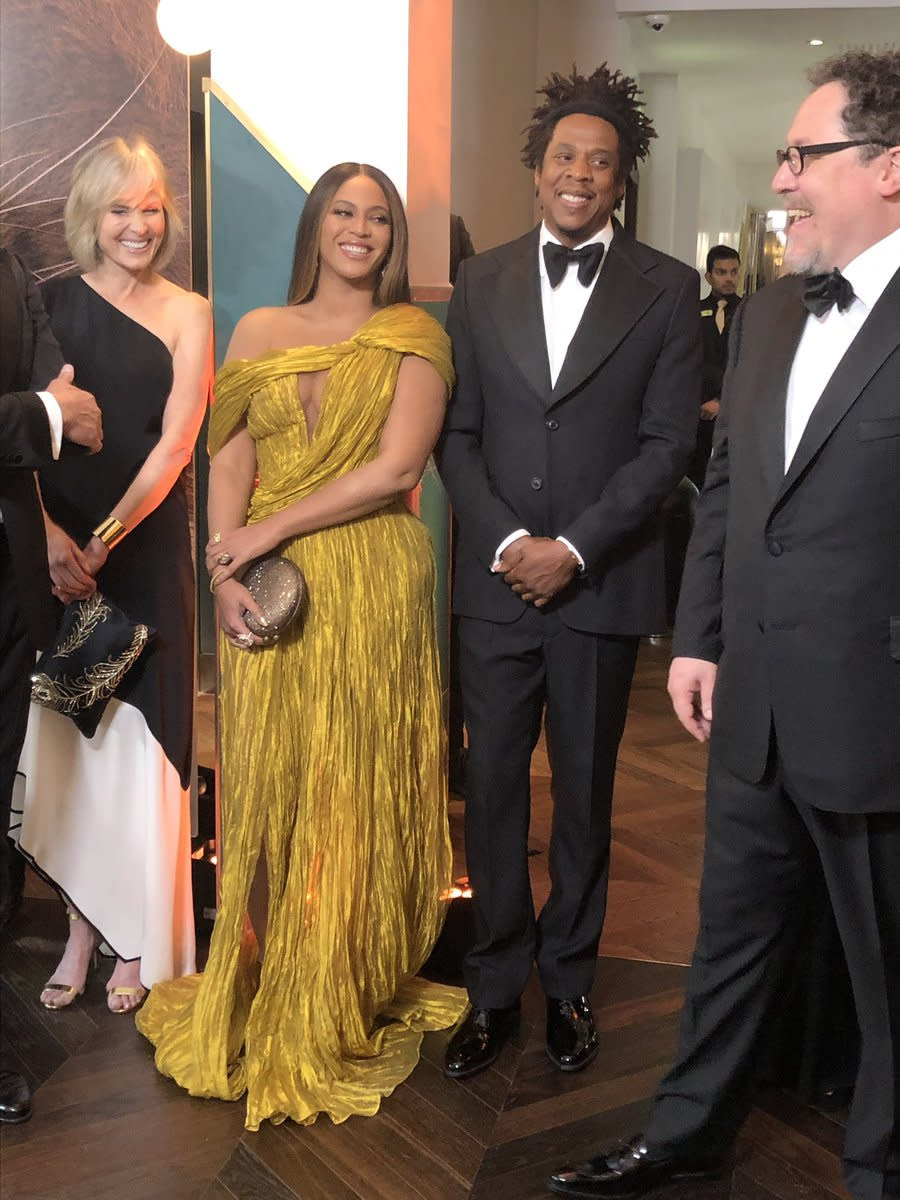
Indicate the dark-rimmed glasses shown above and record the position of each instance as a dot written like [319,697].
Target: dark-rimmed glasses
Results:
[796,156]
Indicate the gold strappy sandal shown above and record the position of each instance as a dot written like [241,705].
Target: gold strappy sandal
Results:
[66,993]
[140,992]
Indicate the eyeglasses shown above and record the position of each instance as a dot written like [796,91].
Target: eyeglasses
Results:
[796,156]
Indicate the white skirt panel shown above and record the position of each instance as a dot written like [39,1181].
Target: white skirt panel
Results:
[107,821]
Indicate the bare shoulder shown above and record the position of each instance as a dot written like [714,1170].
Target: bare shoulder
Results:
[193,310]
[253,334]
[185,311]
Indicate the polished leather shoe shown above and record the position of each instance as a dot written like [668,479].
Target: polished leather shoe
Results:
[15,1099]
[479,1040]
[571,1037]
[627,1172]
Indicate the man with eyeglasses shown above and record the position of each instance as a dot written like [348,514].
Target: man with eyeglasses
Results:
[787,649]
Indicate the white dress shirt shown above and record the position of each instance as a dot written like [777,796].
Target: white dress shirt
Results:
[54,416]
[825,340]
[563,307]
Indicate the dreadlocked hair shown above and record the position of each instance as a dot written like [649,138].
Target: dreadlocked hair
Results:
[606,94]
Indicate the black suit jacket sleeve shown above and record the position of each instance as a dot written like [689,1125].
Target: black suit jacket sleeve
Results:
[698,622]
[665,435]
[24,431]
[486,517]
[47,358]
[24,426]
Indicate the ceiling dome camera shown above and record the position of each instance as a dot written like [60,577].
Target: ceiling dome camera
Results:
[657,21]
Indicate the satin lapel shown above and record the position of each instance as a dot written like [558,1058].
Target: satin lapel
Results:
[621,296]
[770,398]
[879,337]
[516,310]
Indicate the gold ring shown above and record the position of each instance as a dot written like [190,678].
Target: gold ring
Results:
[225,560]
[216,538]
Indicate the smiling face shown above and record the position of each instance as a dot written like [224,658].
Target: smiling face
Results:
[356,231]
[131,229]
[578,182]
[837,204]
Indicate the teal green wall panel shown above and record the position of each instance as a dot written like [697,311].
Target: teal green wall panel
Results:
[254,208]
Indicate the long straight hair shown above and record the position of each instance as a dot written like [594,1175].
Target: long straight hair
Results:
[392,284]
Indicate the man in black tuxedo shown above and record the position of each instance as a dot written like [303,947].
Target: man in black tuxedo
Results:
[33,425]
[577,353]
[787,648]
[717,311]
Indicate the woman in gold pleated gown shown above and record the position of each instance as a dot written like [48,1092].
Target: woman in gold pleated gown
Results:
[333,795]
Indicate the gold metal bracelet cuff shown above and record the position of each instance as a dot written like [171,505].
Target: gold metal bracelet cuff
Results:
[110,532]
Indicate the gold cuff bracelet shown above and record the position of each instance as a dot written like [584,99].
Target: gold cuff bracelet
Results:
[110,532]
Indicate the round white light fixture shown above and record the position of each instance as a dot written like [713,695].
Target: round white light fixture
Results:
[186,24]
[816,42]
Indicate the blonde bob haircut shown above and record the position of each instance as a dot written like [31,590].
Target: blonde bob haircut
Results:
[392,283]
[101,177]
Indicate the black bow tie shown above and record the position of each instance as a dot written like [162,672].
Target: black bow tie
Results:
[557,259]
[824,290]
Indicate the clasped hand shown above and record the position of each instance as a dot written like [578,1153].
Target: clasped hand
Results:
[537,568]
[72,569]
[226,555]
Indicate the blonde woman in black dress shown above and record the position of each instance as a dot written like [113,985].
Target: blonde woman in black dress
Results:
[107,819]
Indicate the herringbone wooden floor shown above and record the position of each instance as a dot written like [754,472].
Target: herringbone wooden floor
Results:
[108,1127]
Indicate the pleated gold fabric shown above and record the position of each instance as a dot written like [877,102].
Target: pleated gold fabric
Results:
[332,763]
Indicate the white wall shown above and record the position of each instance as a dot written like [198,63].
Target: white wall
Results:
[642,6]
[325,85]
[494,51]
[722,198]
[585,32]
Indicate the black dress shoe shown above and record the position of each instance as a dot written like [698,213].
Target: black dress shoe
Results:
[628,1172]
[479,1040]
[571,1037]
[15,1099]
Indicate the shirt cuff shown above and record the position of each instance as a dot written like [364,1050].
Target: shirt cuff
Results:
[507,541]
[54,416]
[568,545]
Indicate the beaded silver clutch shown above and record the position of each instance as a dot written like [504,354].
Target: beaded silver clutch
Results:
[278,587]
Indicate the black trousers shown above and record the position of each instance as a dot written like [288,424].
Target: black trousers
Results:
[761,844]
[16,661]
[513,674]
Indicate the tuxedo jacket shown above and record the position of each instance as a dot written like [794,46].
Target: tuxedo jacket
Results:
[591,458]
[792,582]
[31,358]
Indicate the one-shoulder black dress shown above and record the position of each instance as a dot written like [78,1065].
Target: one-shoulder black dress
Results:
[107,819]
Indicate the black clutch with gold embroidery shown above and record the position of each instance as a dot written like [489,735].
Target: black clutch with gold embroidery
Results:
[95,645]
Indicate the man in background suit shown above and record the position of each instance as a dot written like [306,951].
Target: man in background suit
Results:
[32,427]
[577,351]
[787,649]
[717,311]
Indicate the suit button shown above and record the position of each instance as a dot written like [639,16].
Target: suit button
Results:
[537,483]
[551,424]
[775,548]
